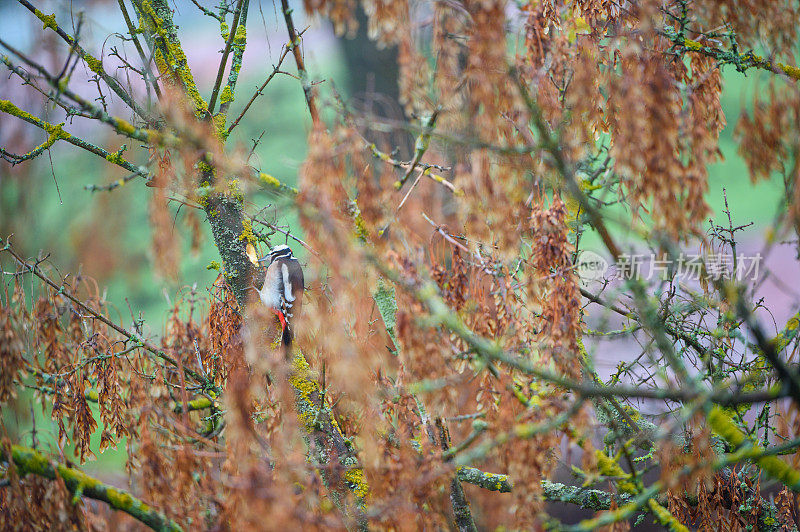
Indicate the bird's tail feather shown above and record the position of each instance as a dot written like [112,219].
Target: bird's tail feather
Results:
[286,337]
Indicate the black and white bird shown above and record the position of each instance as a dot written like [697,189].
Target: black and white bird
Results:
[283,287]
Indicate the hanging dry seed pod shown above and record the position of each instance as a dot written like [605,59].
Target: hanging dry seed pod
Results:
[11,353]
[165,243]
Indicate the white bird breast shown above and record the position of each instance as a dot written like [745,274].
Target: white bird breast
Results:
[270,293]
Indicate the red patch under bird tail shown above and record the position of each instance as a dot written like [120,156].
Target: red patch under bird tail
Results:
[286,335]
[281,317]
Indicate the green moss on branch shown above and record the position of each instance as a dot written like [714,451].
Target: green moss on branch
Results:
[489,481]
[747,450]
[274,185]
[29,461]
[56,132]
[330,447]
[156,18]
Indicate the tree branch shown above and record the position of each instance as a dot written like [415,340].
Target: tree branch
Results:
[225,207]
[259,91]
[121,126]
[340,468]
[741,61]
[294,44]
[458,499]
[94,64]
[33,268]
[57,132]
[29,461]
[224,61]
[148,77]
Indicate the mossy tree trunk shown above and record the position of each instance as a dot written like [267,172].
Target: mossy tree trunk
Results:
[223,203]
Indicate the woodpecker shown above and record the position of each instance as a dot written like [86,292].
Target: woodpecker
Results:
[283,287]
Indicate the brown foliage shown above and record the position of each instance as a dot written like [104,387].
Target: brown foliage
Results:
[11,348]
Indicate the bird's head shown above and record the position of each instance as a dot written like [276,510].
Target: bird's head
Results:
[281,251]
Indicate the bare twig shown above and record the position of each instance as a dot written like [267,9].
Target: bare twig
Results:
[94,64]
[294,44]
[148,73]
[259,91]
[141,342]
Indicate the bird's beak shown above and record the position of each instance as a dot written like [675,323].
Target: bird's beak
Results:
[263,259]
